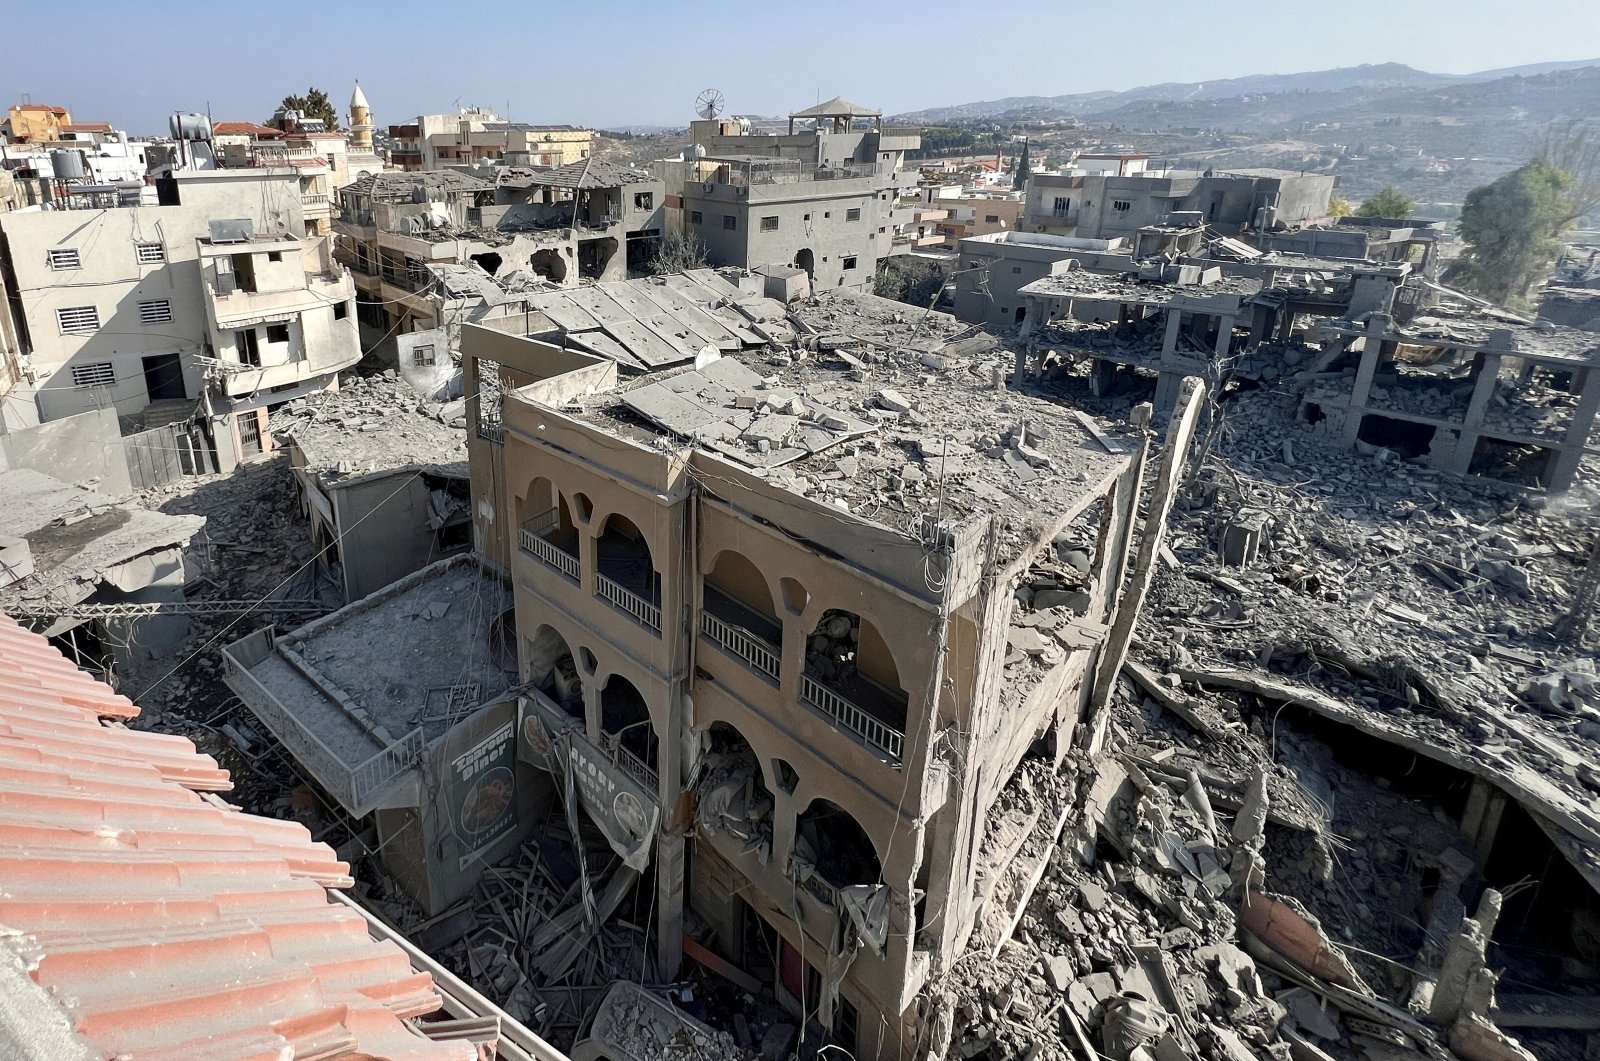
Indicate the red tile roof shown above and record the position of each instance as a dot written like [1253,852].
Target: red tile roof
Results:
[167,924]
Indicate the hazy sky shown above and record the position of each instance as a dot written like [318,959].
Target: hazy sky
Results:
[615,63]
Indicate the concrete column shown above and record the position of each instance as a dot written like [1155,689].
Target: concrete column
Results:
[670,886]
[1565,466]
[1174,456]
[1286,324]
[1225,323]
[1361,390]
[1484,383]
[1169,338]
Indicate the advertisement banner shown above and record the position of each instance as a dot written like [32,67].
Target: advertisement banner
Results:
[625,811]
[483,791]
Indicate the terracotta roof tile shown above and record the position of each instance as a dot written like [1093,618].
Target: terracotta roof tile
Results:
[163,922]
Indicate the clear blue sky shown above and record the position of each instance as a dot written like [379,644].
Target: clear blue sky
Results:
[615,63]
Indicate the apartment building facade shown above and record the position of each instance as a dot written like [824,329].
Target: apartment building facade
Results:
[476,135]
[842,696]
[1108,205]
[825,199]
[134,306]
[583,221]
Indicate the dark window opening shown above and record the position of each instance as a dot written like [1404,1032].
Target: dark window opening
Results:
[249,348]
[277,333]
[489,260]
[730,222]
[274,256]
[244,271]
[341,310]
[1405,437]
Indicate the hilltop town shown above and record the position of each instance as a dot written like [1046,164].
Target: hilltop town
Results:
[473,588]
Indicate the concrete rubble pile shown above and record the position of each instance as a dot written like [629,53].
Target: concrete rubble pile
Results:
[373,422]
[536,938]
[1235,879]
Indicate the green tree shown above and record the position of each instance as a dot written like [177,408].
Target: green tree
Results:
[1020,179]
[1512,230]
[1389,202]
[314,104]
[1338,207]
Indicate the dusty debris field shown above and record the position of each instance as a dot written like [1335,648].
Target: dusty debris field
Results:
[1366,745]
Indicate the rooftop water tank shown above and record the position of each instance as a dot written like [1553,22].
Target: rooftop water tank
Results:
[67,165]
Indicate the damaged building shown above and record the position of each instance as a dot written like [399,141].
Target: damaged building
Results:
[822,198]
[381,474]
[94,574]
[586,221]
[833,592]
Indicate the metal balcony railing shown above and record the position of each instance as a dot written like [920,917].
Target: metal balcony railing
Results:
[628,602]
[355,787]
[878,734]
[628,762]
[760,656]
[543,549]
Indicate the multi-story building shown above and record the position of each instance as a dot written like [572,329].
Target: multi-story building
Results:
[211,306]
[476,135]
[1111,196]
[27,122]
[585,221]
[839,605]
[825,199]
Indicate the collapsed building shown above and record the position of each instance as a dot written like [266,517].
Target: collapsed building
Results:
[1473,390]
[753,570]
[92,573]
[586,221]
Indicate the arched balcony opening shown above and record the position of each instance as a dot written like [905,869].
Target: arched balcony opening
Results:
[733,797]
[547,532]
[852,678]
[626,577]
[831,842]
[626,732]
[552,670]
[737,614]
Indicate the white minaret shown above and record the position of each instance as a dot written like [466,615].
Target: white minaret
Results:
[360,122]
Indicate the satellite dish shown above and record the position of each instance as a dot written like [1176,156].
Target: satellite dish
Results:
[708,104]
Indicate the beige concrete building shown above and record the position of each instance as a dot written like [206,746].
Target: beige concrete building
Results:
[476,135]
[154,311]
[824,197]
[585,221]
[841,608]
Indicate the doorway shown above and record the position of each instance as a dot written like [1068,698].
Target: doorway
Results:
[163,377]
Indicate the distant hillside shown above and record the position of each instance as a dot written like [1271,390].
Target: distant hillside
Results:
[1257,98]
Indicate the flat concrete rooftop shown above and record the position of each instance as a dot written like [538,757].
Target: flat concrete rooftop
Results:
[418,653]
[1130,289]
[373,424]
[882,410]
[76,537]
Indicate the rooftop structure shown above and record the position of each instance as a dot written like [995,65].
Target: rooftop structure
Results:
[148,918]
[370,725]
[381,470]
[63,545]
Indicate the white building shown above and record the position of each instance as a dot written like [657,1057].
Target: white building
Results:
[158,313]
